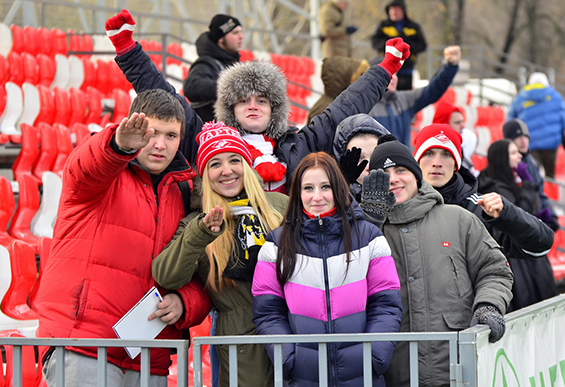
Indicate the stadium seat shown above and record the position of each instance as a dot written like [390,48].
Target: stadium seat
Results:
[103,71]
[81,134]
[59,42]
[18,43]
[5,40]
[29,373]
[76,72]
[86,45]
[44,247]
[28,203]
[64,148]
[31,40]
[62,105]
[24,273]
[94,103]
[174,49]
[47,69]
[16,68]
[12,110]
[31,105]
[121,105]
[246,55]
[89,72]
[29,151]
[4,71]
[30,68]
[46,41]
[47,151]
[2,99]
[77,99]
[44,220]
[62,72]
[7,207]
[47,106]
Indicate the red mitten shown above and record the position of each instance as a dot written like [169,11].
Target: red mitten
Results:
[396,52]
[120,29]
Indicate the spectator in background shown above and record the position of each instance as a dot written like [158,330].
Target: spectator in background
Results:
[121,200]
[325,240]
[336,36]
[398,107]
[452,273]
[517,131]
[398,24]
[506,175]
[542,108]
[338,73]
[454,116]
[217,49]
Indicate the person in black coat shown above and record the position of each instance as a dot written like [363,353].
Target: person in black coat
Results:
[217,49]
[507,175]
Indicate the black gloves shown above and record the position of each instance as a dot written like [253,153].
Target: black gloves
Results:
[376,200]
[489,315]
[349,167]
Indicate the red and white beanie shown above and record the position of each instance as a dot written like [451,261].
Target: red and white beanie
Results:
[440,136]
[216,138]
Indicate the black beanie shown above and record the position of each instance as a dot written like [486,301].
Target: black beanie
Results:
[392,154]
[220,25]
[515,128]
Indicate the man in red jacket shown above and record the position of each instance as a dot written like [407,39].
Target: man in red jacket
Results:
[120,205]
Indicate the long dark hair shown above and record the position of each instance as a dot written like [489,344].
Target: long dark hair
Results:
[498,166]
[290,234]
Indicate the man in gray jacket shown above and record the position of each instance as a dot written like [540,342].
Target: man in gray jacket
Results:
[453,275]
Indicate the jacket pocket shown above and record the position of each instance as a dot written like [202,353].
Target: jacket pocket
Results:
[458,320]
[461,277]
[82,296]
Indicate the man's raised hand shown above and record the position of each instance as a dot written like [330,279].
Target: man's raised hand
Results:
[134,132]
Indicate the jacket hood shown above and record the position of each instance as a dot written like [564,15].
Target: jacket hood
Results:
[417,207]
[246,78]
[206,47]
[349,127]
[536,93]
[338,72]
[400,3]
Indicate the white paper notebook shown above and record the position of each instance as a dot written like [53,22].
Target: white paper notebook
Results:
[134,324]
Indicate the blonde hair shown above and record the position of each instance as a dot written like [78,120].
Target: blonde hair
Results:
[220,251]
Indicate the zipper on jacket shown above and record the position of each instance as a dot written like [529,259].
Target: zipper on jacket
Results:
[331,346]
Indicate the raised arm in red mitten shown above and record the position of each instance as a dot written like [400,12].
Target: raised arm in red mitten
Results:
[120,29]
[396,52]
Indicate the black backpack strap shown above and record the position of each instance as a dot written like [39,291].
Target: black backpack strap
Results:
[185,192]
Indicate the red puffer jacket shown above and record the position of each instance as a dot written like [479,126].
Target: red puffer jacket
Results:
[108,230]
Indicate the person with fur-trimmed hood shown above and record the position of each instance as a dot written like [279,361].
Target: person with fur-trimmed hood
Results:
[252,98]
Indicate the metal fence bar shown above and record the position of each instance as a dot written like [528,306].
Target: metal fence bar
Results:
[197,364]
[102,366]
[323,364]
[145,364]
[233,365]
[278,365]
[367,379]
[413,349]
[59,366]
[17,374]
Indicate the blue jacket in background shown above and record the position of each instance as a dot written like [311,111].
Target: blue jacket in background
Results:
[543,110]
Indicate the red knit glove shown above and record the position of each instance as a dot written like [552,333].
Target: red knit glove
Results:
[120,29]
[396,52]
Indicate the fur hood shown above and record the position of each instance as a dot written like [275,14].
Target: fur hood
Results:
[246,78]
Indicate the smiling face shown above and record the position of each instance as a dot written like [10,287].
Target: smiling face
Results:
[156,156]
[225,172]
[403,183]
[253,113]
[316,192]
[367,143]
[514,155]
[438,166]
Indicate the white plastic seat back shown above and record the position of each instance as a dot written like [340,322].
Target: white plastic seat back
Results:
[76,72]
[44,220]
[32,104]
[5,40]
[62,72]
[12,110]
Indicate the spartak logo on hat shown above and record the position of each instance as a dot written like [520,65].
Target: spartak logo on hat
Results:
[220,144]
[227,26]
[442,137]
[388,163]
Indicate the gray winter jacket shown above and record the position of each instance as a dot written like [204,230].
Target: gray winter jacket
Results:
[447,264]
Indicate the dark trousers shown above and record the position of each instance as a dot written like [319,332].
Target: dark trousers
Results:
[546,158]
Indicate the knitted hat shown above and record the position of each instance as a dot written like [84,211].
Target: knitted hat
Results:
[515,128]
[220,25]
[352,126]
[246,78]
[444,111]
[439,136]
[393,154]
[538,77]
[216,138]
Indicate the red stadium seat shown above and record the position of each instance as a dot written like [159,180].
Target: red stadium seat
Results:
[62,105]
[24,273]
[64,147]
[7,207]
[44,247]
[77,99]
[46,41]
[29,151]
[122,102]
[31,40]
[29,374]
[30,68]
[59,42]
[246,55]
[175,49]
[94,103]
[103,71]
[47,151]
[81,133]
[18,43]
[28,203]
[90,76]
[4,71]
[16,68]
[47,68]
[47,103]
